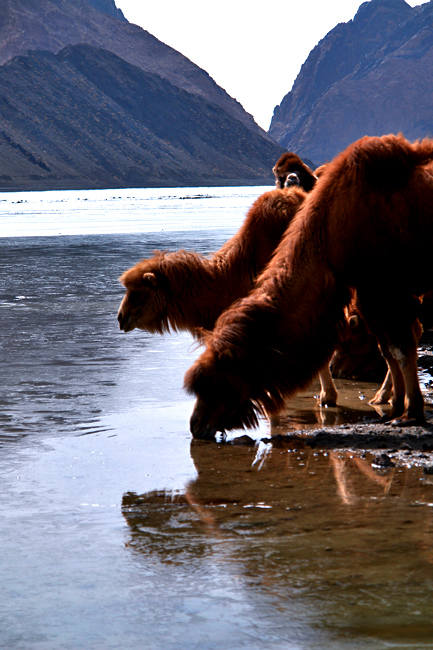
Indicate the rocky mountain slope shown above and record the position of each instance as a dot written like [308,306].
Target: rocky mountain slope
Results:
[53,24]
[89,100]
[86,118]
[370,76]
[108,7]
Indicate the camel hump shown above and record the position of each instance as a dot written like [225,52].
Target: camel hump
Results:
[387,161]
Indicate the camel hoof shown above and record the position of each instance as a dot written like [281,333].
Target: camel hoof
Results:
[328,402]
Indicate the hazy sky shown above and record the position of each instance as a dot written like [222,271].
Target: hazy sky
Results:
[254,50]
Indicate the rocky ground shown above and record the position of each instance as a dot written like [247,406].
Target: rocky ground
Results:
[391,445]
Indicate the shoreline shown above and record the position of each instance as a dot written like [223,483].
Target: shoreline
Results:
[78,184]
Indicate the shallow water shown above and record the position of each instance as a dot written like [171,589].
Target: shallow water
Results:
[118,532]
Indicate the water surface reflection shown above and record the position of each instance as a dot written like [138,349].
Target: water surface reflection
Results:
[220,546]
[325,537]
[63,361]
[303,411]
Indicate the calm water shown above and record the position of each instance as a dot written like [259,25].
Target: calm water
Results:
[120,533]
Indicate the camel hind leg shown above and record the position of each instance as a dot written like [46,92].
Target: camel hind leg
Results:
[393,388]
[401,386]
[398,330]
[414,402]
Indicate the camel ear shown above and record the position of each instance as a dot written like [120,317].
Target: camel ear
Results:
[149,279]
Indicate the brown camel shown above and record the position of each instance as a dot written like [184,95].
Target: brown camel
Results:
[366,226]
[186,291]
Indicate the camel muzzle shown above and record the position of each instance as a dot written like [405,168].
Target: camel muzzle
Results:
[124,322]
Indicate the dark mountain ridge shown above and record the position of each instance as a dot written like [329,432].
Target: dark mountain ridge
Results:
[108,7]
[89,100]
[53,24]
[86,118]
[372,75]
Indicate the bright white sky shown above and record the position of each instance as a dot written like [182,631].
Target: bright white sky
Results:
[252,49]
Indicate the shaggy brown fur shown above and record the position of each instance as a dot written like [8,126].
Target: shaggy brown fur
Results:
[367,222]
[187,291]
[290,163]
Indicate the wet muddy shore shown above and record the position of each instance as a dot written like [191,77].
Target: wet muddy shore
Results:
[409,446]
[391,444]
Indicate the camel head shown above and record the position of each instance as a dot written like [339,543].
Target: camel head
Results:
[289,164]
[292,179]
[223,398]
[144,303]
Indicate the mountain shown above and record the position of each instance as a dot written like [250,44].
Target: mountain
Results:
[89,100]
[108,7]
[53,24]
[370,76]
[86,118]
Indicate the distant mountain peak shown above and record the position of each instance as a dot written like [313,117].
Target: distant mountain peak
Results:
[372,5]
[378,15]
[108,7]
[85,117]
[356,47]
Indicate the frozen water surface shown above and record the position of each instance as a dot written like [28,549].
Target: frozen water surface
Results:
[120,533]
[123,211]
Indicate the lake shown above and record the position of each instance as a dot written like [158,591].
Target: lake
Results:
[118,531]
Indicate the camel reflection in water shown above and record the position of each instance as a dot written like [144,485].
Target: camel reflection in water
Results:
[323,527]
[322,533]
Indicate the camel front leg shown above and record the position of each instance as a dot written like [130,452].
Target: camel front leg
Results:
[384,393]
[328,393]
[395,384]
[414,402]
